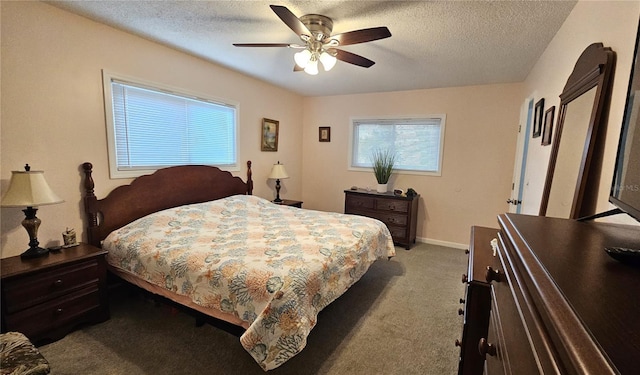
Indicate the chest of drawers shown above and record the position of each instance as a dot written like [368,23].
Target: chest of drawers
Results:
[477,300]
[399,213]
[45,298]
[559,304]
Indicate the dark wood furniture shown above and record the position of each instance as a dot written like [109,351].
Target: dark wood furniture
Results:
[559,303]
[45,298]
[287,202]
[576,159]
[399,213]
[477,300]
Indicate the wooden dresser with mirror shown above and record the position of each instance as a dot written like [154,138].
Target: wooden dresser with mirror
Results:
[559,304]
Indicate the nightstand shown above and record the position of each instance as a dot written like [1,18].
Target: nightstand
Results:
[287,202]
[47,297]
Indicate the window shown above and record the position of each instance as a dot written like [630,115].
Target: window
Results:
[417,142]
[151,127]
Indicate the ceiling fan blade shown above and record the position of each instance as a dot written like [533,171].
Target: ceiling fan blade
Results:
[352,58]
[262,44]
[361,36]
[290,20]
[296,68]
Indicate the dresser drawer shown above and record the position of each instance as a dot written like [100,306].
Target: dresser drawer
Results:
[354,202]
[514,351]
[30,290]
[55,313]
[398,232]
[392,205]
[390,218]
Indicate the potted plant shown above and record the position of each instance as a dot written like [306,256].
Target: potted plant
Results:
[383,161]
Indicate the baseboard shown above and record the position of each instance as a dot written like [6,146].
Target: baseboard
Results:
[454,245]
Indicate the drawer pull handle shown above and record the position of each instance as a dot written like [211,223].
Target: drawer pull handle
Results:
[485,348]
[460,312]
[493,275]
[461,300]
[465,278]
[58,283]
[458,343]
[59,311]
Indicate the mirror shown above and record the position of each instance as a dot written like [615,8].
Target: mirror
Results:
[573,175]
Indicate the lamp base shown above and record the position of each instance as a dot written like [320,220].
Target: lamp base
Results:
[34,252]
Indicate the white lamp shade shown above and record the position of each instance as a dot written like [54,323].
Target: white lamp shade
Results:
[278,172]
[29,189]
[302,58]
[327,60]
[312,67]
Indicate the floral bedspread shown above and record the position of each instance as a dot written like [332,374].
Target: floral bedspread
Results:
[274,267]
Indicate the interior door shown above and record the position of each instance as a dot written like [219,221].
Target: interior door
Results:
[520,165]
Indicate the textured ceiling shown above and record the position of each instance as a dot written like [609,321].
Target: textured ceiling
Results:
[433,43]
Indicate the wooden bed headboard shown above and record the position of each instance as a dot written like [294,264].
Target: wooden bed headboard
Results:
[165,188]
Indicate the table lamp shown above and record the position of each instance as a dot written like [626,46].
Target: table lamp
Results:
[277,173]
[29,189]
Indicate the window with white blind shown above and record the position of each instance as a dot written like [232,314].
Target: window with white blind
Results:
[150,126]
[416,142]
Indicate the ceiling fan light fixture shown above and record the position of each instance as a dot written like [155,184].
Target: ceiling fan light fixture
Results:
[328,61]
[312,67]
[302,58]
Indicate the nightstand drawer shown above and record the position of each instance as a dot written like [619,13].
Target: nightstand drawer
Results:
[55,313]
[392,205]
[23,292]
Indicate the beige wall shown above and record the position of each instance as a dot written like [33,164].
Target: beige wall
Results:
[53,118]
[612,23]
[53,112]
[480,134]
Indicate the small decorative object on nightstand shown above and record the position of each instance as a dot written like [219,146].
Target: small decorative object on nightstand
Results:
[45,298]
[29,189]
[277,173]
[287,202]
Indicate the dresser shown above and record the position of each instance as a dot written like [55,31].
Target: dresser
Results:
[558,303]
[45,298]
[399,213]
[477,300]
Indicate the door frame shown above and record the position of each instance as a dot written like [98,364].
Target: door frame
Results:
[522,151]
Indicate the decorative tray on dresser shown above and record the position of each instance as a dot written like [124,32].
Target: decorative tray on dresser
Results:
[399,213]
[559,303]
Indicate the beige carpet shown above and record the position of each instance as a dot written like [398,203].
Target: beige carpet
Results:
[400,318]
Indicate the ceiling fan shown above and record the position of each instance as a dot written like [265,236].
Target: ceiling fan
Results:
[319,44]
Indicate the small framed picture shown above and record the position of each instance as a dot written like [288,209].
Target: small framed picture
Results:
[537,118]
[548,126]
[270,130]
[324,134]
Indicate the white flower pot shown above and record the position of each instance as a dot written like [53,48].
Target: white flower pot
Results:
[382,188]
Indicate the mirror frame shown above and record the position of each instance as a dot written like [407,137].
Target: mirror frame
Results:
[594,68]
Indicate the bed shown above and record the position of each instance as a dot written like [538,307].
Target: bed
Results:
[197,236]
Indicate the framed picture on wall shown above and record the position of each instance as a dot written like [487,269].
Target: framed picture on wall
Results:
[537,118]
[324,134]
[548,126]
[270,130]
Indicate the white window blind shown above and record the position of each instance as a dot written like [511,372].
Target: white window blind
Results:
[416,142]
[153,128]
